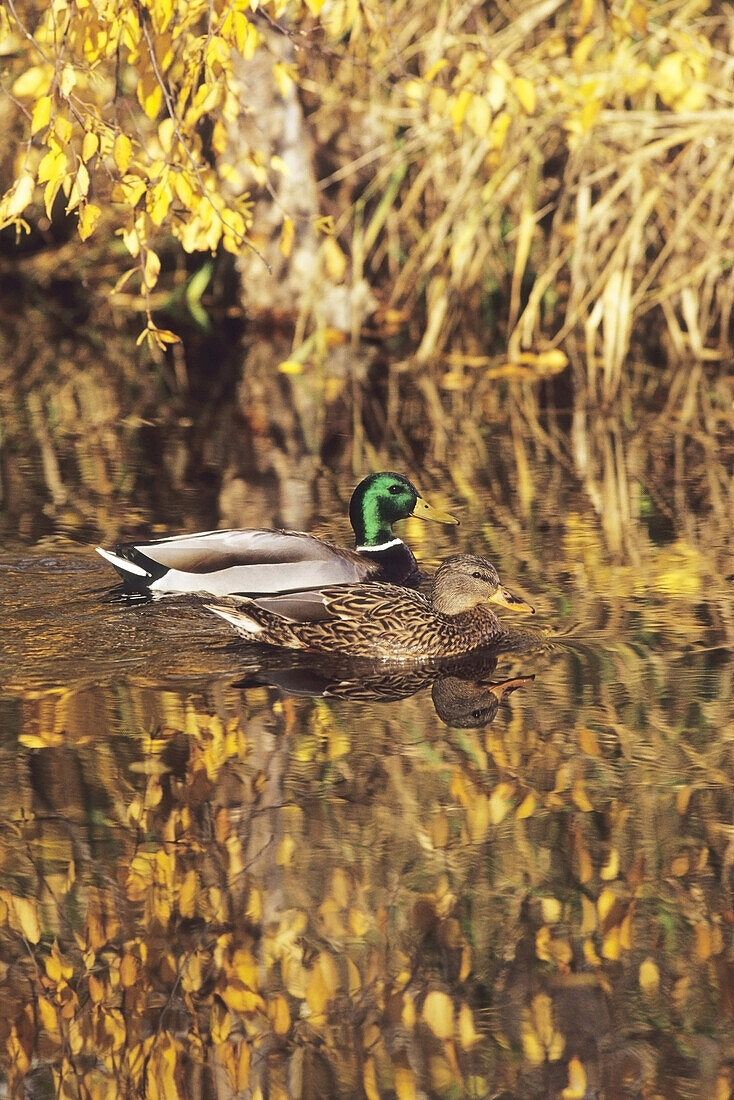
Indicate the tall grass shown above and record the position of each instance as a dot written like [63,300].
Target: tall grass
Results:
[525,177]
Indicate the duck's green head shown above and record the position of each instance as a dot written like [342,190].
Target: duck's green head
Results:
[383,499]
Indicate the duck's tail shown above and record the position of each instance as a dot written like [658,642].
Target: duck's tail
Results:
[255,624]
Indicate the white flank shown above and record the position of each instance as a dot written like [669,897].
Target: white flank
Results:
[122,563]
[263,579]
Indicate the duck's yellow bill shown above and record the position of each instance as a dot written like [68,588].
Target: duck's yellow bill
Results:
[423,510]
[505,597]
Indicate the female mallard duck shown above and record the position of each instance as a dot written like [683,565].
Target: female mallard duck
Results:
[263,562]
[382,620]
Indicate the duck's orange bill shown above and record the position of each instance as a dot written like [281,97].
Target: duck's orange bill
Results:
[424,510]
[505,687]
[505,597]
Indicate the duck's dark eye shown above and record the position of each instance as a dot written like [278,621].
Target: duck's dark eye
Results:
[478,576]
[395,489]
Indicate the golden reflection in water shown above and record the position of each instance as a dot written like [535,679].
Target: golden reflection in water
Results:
[211,889]
[238,885]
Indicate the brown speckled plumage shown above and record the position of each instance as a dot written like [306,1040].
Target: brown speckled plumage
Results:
[381,620]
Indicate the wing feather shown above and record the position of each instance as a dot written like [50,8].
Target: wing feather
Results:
[209,550]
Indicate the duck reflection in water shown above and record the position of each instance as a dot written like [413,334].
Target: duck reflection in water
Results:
[462,692]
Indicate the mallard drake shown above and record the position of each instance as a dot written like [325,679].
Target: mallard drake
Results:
[256,562]
[382,620]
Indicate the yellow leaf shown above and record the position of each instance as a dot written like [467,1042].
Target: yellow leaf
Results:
[19,197]
[480,811]
[128,971]
[41,114]
[458,106]
[590,954]
[703,942]
[279,1014]
[358,922]
[580,797]
[649,977]
[527,806]
[501,67]
[290,366]
[525,91]
[150,95]
[242,1068]
[404,1082]
[129,191]
[610,870]
[40,741]
[478,116]
[334,259]
[163,336]
[158,201]
[245,968]
[33,82]
[543,943]
[67,79]
[680,866]
[576,1089]
[254,909]
[354,981]
[588,919]
[122,152]
[151,269]
[317,993]
[369,1080]
[582,50]
[585,865]
[588,741]
[468,1036]
[160,1077]
[605,901]
[324,226]
[220,1025]
[284,77]
[438,1012]
[184,190]
[551,910]
[540,1039]
[56,969]
[638,17]
[440,830]
[287,236]
[500,802]
[612,945]
[239,999]
[192,973]
[90,145]
[27,916]
[62,129]
[96,989]
[187,897]
[680,80]
[48,1016]
[285,851]
[682,798]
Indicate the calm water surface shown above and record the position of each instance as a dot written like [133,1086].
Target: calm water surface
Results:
[224,877]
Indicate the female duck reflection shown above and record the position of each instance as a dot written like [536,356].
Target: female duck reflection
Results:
[461,691]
